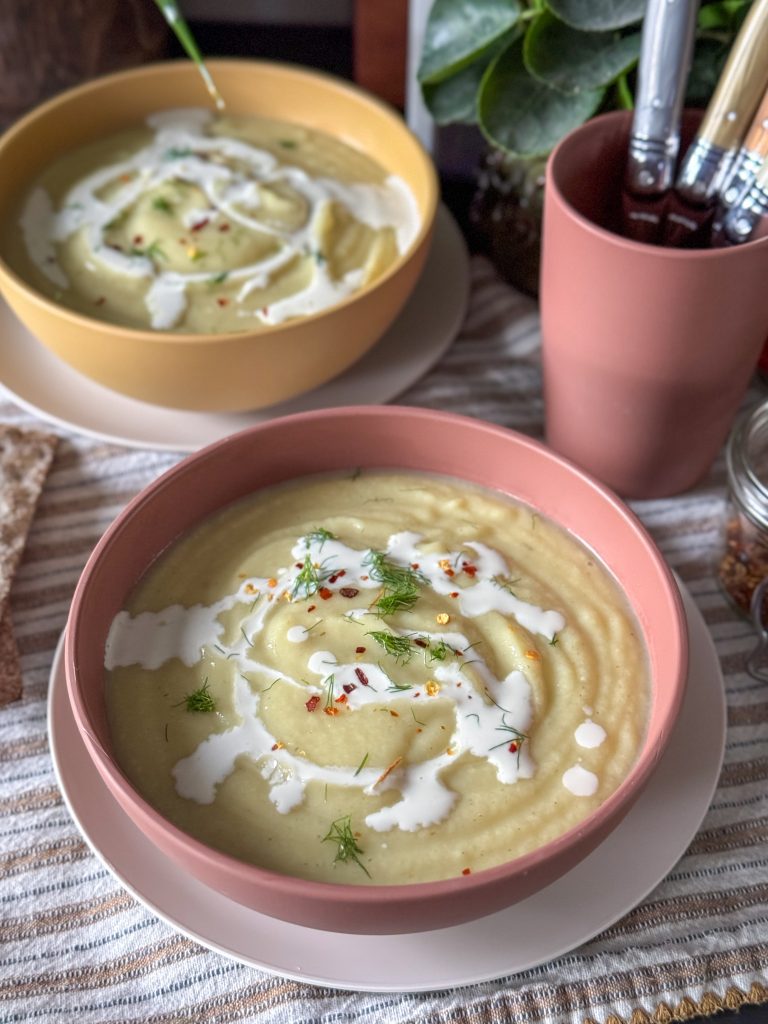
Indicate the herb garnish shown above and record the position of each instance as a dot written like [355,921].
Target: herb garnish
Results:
[320,536]
[554,641]
[400,583]
[341,833]
[176,153]
[330,683]
[518,738]
[199,700]
[219,278]
[506,583]
[399,647]
[287,143]
[161,203]
[361,765]
[152,252]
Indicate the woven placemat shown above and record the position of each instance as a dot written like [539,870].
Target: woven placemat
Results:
[76,946]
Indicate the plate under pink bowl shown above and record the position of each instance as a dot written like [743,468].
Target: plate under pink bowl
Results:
[387,437]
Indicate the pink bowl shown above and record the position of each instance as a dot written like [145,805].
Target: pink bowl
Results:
[380,437]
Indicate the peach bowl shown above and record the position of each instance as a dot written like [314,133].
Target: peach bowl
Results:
[223,372]
[375,437]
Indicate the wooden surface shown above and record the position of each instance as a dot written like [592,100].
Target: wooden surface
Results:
[380,33]
[47,46]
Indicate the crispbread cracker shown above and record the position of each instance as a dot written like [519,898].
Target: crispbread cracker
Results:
[25,457]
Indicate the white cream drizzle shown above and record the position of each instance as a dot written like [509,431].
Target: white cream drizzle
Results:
[181,150]
[485,719]
[589,734]
[580,782]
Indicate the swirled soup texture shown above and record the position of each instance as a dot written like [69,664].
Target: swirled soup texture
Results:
[204,224]
[376,679]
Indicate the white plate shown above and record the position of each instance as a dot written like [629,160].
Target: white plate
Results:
[611,881]
[41,383]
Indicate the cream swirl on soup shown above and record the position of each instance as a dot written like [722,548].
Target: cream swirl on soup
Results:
[204,223]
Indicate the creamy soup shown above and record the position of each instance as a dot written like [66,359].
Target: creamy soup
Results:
[202,223]
[376,679]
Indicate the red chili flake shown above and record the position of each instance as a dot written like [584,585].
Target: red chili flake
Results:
[200,224]
[331,711]
[466,871]
[332,579]
[299,565]
[394,714]
[312,703]
[325,593]
[512,748]
[361,676]
[311,607]
[414,565]
[469,569]
[421,643]
[359,650]
[449,572]
[126,177]
[182,241]
[223,302]
[348,687]
[264,310]
[100,301]
[454,593]
[138,239]
[341,699]
[277,746]
[341,572]
[349,592]
[363,577]
[223,227]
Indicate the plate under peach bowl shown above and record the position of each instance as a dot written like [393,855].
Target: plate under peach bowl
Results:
[217,372]
[383,438]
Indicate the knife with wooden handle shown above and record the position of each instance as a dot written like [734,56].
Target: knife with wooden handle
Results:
[665,59]
[731,109]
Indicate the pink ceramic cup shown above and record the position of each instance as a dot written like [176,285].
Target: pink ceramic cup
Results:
[647,351]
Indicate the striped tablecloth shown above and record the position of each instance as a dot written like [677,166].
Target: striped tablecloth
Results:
[76,946]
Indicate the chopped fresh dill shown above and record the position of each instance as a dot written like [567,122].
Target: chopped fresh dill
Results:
[254,603]
[399,647]
[197,254]
[438,651]
[319,536]
[161,203]
[220,649]
[245,637]
[152,252]
[398,687]
[362,765]
[506,583]
[416,720]
[287,143]
[513,735]
[341,833]
[325,793]
[400,583]
[268,688]
[318,257]
[166,732]
[554,641]
[310,578]
[329,684]
[473,715]
[308,630]
[219,278]
[200,699]
[176,153]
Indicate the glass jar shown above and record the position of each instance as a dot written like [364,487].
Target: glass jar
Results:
[743,564]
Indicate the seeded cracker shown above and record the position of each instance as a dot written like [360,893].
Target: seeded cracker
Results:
[25,457]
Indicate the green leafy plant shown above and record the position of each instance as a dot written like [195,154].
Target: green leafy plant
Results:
[529,71]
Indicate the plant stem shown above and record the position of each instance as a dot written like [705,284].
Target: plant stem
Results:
[624,94]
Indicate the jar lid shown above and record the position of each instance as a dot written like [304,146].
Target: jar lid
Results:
[747,462]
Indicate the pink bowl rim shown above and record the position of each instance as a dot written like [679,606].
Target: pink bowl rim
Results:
[58,104]
[371,895]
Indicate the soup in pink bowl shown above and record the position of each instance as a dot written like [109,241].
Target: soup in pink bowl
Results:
[376,669]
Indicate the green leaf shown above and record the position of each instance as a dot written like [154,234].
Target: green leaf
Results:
[523,115]
[454,100]
[571,60]
[725,14]
[708,60]
[458,31]
[599,15]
